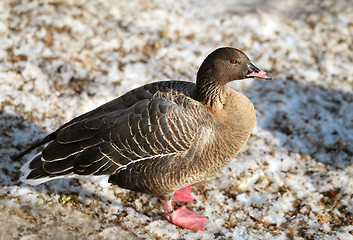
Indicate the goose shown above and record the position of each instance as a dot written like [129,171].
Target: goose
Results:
[159,138]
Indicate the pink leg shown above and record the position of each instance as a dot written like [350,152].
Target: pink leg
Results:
[183,217]
[168,206]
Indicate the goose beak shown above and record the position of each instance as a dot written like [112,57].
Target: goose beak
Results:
[254,72]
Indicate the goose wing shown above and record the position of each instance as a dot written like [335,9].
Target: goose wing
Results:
[139,125]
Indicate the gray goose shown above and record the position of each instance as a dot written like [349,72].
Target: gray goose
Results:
[158,138]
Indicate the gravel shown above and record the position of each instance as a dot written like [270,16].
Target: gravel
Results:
[294,179]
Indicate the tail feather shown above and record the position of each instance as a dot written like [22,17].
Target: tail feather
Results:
[34,173]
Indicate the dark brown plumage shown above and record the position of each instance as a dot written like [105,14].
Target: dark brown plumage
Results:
[160,137]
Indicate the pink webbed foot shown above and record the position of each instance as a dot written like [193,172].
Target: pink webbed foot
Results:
[183,195]
[185,218]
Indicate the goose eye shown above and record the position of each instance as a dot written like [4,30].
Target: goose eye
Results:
[233,61]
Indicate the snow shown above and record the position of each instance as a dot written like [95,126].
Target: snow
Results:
[293,180]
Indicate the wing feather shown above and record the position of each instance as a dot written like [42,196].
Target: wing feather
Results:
[74,133]
[57,167]
[56,151]
[87,158]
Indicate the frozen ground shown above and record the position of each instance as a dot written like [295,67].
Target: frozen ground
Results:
[294,180]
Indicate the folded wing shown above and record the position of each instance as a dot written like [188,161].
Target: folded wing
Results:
[139,125]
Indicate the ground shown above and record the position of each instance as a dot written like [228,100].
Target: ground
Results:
[293,180]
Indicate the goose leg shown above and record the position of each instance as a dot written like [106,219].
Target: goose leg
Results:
[182,216]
